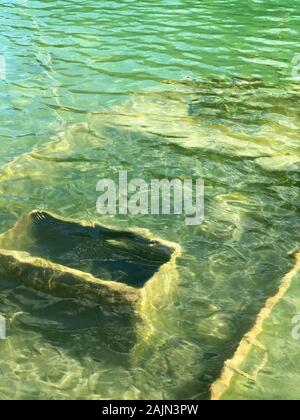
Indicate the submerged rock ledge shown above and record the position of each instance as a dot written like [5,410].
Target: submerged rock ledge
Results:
[255,351]
[75,259]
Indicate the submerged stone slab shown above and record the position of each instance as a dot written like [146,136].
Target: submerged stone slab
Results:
[258,368]
[70,259]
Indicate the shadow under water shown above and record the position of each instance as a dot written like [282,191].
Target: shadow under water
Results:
[88,271]
[248,153]
[74,326]
[109,254]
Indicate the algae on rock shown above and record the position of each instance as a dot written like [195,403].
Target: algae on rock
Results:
[54,254]
[267,346]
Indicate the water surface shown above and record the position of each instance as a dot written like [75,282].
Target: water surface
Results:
[184,89]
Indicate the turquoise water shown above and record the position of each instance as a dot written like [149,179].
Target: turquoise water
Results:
[160,89]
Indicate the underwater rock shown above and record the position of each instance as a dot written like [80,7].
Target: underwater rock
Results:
[261,350]
[280,163]
[235,117]
[243,118]
[63,281]
[71,259]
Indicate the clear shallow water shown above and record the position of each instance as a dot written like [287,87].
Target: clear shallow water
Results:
[98,87]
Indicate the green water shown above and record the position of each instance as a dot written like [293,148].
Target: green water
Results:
[200,89]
